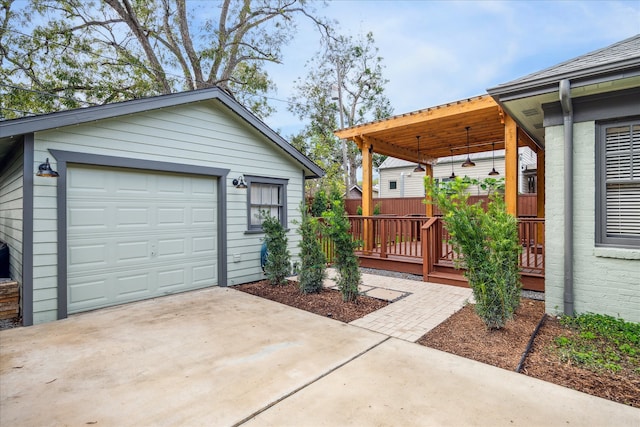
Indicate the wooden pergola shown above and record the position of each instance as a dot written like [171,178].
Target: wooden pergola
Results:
[442,129]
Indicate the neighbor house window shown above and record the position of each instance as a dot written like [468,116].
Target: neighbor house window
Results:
[266,195]
[393,185]
[618,198]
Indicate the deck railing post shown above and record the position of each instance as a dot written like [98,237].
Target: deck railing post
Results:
[383,238]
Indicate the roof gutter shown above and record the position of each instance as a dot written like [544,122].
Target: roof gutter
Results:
[567,112]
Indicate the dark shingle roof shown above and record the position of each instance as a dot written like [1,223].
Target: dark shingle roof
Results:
[16,127]
[615,58]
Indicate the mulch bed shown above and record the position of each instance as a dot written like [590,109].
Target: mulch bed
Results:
[465,335]
[327,303]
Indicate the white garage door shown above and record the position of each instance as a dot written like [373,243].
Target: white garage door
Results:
[133,235]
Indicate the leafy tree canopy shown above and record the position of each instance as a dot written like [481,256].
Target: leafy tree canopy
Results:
[60,54]
[344,87]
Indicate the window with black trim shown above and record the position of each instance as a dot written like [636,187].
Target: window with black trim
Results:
[265,195]
[618,196]
[393,185]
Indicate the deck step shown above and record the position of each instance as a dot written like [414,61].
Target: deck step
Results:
[447,278]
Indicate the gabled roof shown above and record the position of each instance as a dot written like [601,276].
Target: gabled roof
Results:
[614,68]
[620,59]
[17,127]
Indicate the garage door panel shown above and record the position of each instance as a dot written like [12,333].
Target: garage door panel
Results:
[133,217]
[203,245]
[204,274]
[90,292]
[142,235]
[203,216]
[171,216]
[130,251]
[167,185]
[89,256]
[83,217]
[85,181]
[171,248]
[130,183]
[171,279]
[128,286]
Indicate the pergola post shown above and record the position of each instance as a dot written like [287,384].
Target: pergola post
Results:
[367,193]
[429,206]
[511,165]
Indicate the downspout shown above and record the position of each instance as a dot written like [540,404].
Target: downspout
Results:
[567,112]
[402,184]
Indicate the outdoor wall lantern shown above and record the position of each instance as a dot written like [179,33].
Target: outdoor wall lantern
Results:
[45,170]
[239,182]
[468,163]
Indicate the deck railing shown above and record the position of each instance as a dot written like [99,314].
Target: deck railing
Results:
[412,237]
[530,232]
[389,235]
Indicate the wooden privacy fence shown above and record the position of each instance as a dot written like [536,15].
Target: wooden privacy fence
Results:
[404,206]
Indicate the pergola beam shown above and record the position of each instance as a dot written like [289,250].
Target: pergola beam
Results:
[420,117]
[387,149]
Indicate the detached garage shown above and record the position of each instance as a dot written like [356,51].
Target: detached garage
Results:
[146,201]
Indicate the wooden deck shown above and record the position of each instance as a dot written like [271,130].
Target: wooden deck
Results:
[402,244]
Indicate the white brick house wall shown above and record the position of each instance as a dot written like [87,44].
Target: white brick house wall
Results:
[606,280]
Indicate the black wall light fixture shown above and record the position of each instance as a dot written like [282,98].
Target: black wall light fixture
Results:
[45,170]
[239,182]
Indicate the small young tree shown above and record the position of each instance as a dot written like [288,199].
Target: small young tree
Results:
[345,260]
[488,242]
[313,261]
[319,204]
[278,263]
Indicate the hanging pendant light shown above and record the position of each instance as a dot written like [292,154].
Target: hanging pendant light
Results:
[468,163]
[493,172]
[453,175]
[419,168]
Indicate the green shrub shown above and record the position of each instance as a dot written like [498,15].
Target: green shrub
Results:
[313,261]
[488,243]
[319,204]
[278,263]
[345,259]
[376,209]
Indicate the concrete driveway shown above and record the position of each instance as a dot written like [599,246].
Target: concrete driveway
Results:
[222,357]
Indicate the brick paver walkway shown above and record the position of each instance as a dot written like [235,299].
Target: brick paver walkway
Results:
[418,306]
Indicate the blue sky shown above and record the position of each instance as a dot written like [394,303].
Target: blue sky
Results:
[441,51]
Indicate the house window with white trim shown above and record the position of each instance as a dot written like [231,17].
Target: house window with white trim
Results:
[618,196]
[265,195]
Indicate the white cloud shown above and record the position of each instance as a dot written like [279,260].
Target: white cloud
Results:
[439,51]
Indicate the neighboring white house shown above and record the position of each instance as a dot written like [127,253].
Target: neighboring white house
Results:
[149,200]
[398,178]
[586,114]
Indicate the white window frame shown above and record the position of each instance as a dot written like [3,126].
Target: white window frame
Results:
[281,204]
[627,180]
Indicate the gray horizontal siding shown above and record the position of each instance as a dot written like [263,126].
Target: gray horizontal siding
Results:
[11,211]
[203,134]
